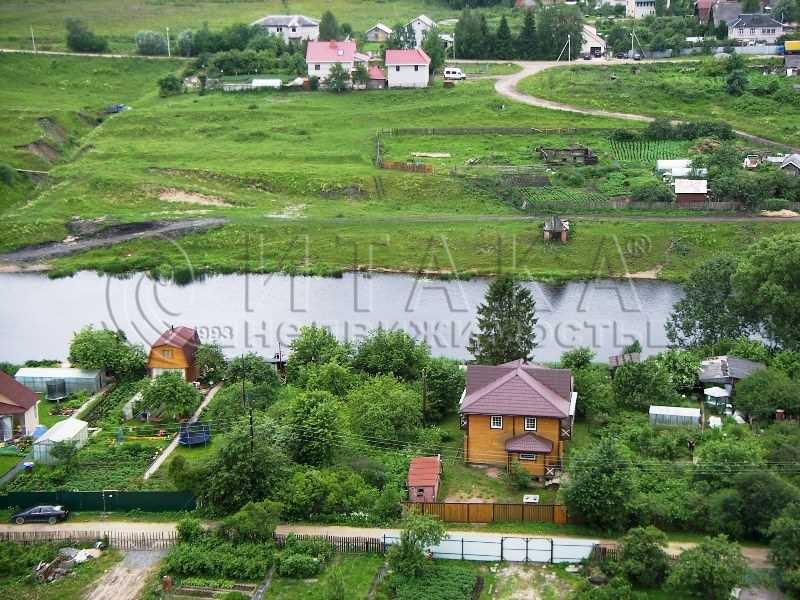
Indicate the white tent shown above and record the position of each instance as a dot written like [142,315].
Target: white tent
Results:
[675,415]
[70,430]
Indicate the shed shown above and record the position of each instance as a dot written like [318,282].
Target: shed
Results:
[791,165]
[57,382]
[618,360]
[667,166]
[424,474]
[556,229]
[378,33]
[72,430]
[377,78]
[675,416]
[726,370]
[690,191]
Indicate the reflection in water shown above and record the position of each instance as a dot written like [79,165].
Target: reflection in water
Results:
[261,313]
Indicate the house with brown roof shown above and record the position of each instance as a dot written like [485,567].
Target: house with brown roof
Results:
[174,352]
[18,414]
[424,474]
[518,412]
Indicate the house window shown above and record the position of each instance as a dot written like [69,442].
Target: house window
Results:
[294,29]
[397,68]
[420,492]
[530,423]
[496,423]
[166,353]
[416,67]
[316,67]
[280,29]
[527,456]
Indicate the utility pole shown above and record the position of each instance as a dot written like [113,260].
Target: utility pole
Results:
[569,49]
[33,39]
[249,405]
[169,48]
[424,394]
[631,54]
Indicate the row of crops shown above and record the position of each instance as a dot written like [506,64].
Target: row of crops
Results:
[537,198]
[648,150]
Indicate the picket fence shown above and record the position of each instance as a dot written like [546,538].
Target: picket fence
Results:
[132,540]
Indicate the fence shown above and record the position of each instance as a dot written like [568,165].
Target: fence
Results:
[465,512]
[106,500]
[341,544]
[144,540]
[402,166]
[486,130]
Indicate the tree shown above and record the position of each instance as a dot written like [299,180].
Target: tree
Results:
[338,79]
[360,75]
[506,322]
[186,43]
[254,522]
[681,367]
[384,409]
[643,560]
[444,382]
[706,314]
[170,392]
[80,39]
[601,484]
[736,83]
[652,193]
[253,368]
[386,351]
[503,42]
[328,27]
[579,358]
[638,385]
[766,286]
[312,428]
[315,345]
[210,362]
[763,495]
[709,570]
[595,392]
[470,42]
[170,85]
[419,533]
[330,377]
[434,47]
[784,533]
[151,43]
[754,350]
[109,351]
[751,6]
[527,45]
[554,25]
[721,458]
[763,392]
[787,11]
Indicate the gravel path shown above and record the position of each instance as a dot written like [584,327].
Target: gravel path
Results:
[126,579]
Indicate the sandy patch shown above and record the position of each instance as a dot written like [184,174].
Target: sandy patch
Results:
[779,213]
[175,195]
[431,154]
[649,274]
[34,268]
[529,582]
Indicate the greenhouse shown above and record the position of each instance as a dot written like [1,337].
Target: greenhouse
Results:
[72,431]
[57,383]
[675,415]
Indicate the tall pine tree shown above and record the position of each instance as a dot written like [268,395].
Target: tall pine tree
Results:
[527,46]
[328,27]
[506,322]
[503,42]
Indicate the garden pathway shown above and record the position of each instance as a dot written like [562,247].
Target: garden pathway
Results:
[127,578]
[174,443]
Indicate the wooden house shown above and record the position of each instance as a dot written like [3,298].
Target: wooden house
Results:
[518,412]
[556,229]
[424,475]
[576,155]
[174,352]
[691,192]
[18,414]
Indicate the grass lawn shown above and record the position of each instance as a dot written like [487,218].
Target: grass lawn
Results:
[45,418]
[7,463]
[357,573]
[690,90]
[72,587]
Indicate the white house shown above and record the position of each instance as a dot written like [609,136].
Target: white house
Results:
[407,68]
[420,26]
[755,28]
[292,28]
[378,33]
[321,56]
[639,9]
[18,412]
[592,43]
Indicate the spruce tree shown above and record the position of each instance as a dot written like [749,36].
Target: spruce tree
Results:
[328,27]
[526,42]
[503,42]
[506,322]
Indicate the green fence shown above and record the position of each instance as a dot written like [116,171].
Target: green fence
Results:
[107,500]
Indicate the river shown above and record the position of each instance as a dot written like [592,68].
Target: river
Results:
[262,313]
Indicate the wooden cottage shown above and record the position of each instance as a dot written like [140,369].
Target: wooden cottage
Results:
[518,412]
[691,192]
[575,155]
[174,352]
[18,414]
[556,229]
[424,474]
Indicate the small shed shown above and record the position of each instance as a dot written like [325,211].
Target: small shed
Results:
[57,382]
[424,473]
[556,229]
[791,165]
[377,78]
[691,191]
[675,416]
[618,360]
[72,431]
[574,155]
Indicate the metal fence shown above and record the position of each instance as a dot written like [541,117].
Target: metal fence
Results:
[470,512]
[104,500]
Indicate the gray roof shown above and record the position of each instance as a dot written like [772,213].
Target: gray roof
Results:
[792,61]
[554,224]
[755,21]
[792,159]
[286,21]
[724,369]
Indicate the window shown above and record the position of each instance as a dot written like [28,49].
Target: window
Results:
[316,67]
[166,353]
[416,67]
[420,492]
[294,29]
[530,423]
[496,422]
[280,29]
[397,68]
[527,456]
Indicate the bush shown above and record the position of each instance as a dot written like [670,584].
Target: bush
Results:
[190,530]
[170,86]
[709,570]
[299,566]
[652,193]
[517,477]
[643,561]
[215,558]
[7,174]
[775,204]
[151,43]
[80,39]
[315,547]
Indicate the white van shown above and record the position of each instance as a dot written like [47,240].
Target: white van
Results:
[453,73]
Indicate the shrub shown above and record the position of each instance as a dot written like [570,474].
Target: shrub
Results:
[652,193]
[215,558]
[170,86]
[190,530]
[578,358]
[7,174]
[80,39]
[151,43]
[315,547]
[299,566]
[643,561]
[775,204]
[517,477]
[313,83]
[709,570]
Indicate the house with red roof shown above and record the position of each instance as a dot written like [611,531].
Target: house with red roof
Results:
[377,78]
[408,68]
[321,56]
[424,474]
[518,412]
[18,414]
[174,352]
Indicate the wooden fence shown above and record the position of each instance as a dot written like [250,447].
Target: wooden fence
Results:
[133,540]
[403,166]
[486,130]
[603,552]
[466,512]
[339,543]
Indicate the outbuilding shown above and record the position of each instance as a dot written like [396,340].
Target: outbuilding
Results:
[18,414]
[690,192]
[57,382]
[675,416]
[70,431]
[424,474]
[378,33]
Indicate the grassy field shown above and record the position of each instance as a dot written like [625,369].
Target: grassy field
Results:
[45,418]
[690,90]
[357,574]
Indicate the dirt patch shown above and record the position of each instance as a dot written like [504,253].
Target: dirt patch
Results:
[350,191]
[290,212]
[530,582]
[779,213]
[176,195]
[195,174]
[53,129]
[41,149]
[431,154]
[649,274]
[78,226]
[126,580]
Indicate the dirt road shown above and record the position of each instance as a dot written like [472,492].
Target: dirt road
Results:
[127,578]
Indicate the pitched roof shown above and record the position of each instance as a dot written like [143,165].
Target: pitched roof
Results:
[375,72]
[184,338]
[57,373]
[331,51]
[360,56]
[703,8]
[726,11]
[412,56]
[63,431]
[424,18]
[792,159]
[554,224]
[286,21]
[529,442]
[424,471]
[724,368]
[18,398]
[380,27]
[517,389]
[691,186]
[757,20]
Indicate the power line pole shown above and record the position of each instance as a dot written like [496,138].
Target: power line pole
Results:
[169,48]
[33,39]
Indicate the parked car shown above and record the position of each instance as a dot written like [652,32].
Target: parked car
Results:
[586,56]
[454,73]
[637,56]
[622,55]
[50,514]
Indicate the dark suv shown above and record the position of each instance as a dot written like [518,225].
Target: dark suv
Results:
[49,514]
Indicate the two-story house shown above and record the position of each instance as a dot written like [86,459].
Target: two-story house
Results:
[321,56]
[420,26]
[174,352]
[407,68]
[292,28]
[518,412]
[755,28]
